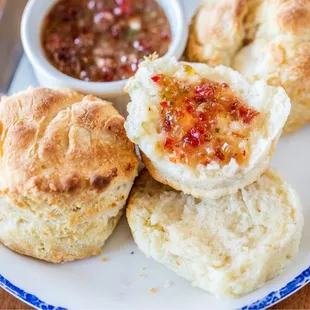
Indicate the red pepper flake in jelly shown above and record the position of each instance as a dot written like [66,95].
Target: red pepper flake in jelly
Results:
[104,40]
[156,78]
[164,104]
[205,90]
[197,123]
[168,143]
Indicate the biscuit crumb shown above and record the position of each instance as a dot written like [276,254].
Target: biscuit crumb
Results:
[178,264]
[153,290]
[104,259]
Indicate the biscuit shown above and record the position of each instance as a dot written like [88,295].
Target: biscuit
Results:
[205,131]
[228,247]
[67,168]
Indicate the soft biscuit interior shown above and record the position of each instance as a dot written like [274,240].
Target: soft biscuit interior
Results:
[229,246]
[202,120]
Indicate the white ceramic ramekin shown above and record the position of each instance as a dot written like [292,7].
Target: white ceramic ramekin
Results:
[48,76]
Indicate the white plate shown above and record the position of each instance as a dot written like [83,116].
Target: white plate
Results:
[125,280]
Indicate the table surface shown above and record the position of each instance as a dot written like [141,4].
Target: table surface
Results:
[300,300]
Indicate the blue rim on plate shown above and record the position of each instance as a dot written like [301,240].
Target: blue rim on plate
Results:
[26,297]
[276,296]
[269,300]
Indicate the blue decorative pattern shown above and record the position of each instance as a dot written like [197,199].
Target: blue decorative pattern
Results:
[28,298]
[285,291]
[263,303]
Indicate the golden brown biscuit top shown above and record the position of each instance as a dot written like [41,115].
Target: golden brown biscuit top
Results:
[222,18]
[292,59]
[293,16]
[217,31]
[221,26]
[60,143]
